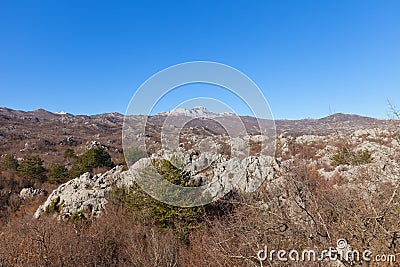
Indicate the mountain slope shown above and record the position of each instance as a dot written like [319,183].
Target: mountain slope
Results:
[49,134]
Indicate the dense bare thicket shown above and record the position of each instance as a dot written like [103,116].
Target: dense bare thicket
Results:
[303,211]
[117,238]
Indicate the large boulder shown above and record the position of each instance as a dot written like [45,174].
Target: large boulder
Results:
[86,193]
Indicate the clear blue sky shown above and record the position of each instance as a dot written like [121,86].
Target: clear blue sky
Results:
[310,58]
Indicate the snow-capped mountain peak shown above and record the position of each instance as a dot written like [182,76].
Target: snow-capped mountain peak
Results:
[198,111]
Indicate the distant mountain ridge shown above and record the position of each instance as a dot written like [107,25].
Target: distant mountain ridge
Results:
[198,111]
[49,134]
[43,114]
[201,116]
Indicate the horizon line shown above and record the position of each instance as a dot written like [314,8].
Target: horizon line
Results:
[242,115]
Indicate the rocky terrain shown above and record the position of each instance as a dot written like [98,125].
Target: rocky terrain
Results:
[312,183]
[89,192]
[49,134]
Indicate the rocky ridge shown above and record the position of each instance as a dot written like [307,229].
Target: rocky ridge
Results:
[90,193]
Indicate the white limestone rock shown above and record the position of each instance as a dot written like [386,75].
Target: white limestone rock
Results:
[31,192]
[86,192]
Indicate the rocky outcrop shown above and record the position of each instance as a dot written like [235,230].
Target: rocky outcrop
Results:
[31,192]
[246,175]
[89,193]
[86,193]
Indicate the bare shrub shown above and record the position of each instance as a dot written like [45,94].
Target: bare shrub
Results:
[118,238]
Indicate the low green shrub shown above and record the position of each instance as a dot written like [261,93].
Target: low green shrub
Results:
[8,162]
[133,154]
[57,174]
[31,168]
[345,156]
[55,206]
[179,219]
[93,158]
